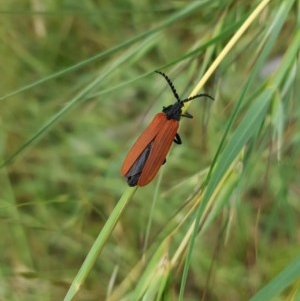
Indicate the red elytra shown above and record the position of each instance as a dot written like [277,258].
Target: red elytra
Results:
[149,152]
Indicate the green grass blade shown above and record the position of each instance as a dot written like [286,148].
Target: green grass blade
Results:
[285,278]
[99,244]
[174,18]
[247,128]
[71,104]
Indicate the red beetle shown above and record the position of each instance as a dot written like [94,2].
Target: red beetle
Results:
[150,150]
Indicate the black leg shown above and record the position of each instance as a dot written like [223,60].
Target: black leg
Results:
[177,139]
[187,115]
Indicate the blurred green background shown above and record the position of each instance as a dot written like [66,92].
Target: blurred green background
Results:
[77,88]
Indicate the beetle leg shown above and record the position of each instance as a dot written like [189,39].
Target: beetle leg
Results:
[177,139]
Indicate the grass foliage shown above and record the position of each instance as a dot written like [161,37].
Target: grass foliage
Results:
[221,220]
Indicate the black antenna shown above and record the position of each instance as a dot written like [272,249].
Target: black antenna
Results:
[175,93]
[170,84]
[197,96]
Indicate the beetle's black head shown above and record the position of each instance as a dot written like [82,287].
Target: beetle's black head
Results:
[174,111]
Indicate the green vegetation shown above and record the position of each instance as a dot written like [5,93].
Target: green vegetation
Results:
[77,88]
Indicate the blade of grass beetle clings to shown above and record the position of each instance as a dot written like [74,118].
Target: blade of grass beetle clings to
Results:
[89,262]
[227,49]
[254,116]
[174,18]
[98,245]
